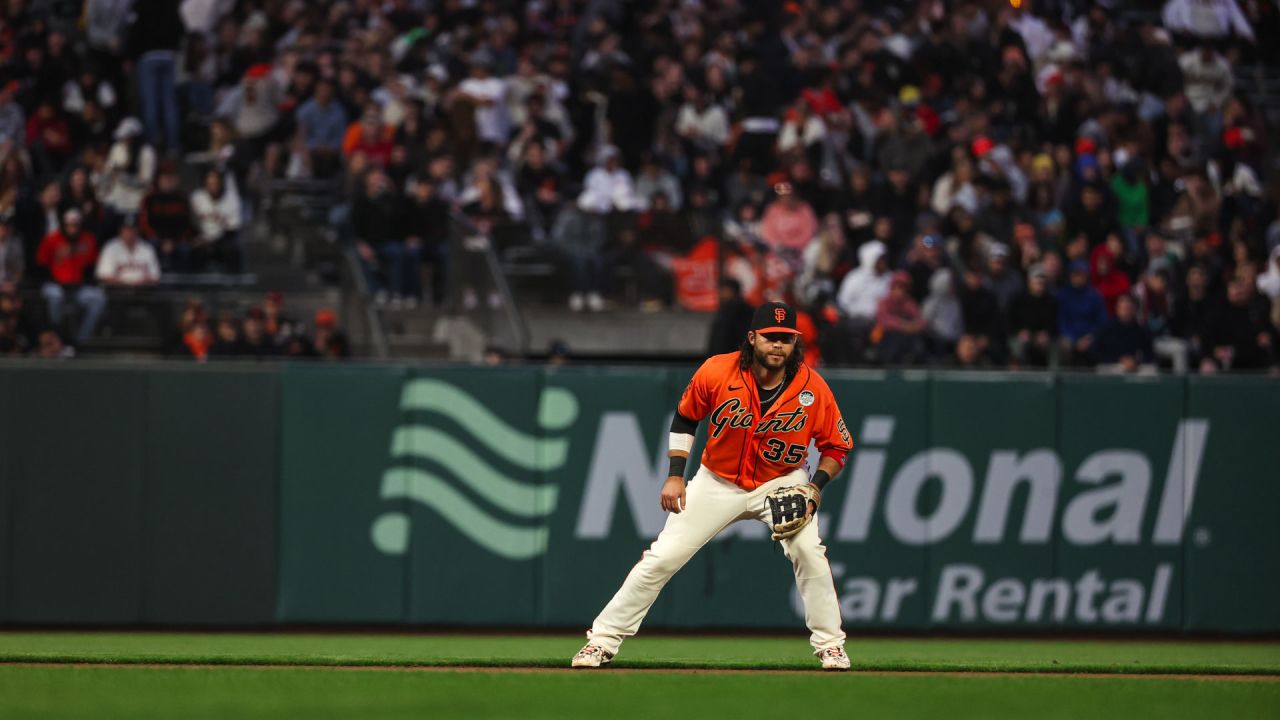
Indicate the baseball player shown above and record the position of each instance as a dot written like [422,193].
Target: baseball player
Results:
[763,406]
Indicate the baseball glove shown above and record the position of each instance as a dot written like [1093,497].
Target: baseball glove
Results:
[789,506]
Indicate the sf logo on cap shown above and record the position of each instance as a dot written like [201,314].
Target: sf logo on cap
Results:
[780,314]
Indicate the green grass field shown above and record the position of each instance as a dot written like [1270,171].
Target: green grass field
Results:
[48,675]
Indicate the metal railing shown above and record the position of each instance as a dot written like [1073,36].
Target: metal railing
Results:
[477,288]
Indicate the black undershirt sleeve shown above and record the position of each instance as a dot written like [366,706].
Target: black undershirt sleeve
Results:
[682,424]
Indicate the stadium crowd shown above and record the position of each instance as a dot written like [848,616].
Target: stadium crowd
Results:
[953,182]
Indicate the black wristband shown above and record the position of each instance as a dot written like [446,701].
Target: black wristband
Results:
[820,478]
[677,465]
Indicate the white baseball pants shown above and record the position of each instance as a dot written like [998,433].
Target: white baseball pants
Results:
[712,504]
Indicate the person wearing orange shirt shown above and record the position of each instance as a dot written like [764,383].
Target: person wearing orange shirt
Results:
[70,253]
[764,406]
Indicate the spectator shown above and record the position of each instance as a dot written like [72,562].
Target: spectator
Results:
[330,342]
[322,122]
[196,74]
[538,126]
[17,336]
[12,305]
[51,346]
[969,355]
[428,222]
[701,122]
[487,94]
[389,263]
[13,121]
[655,180]
[254,340]
[859,299]
[608,187]
[226,340]
[1092,217]
[1081,312]
[581,237]
[13,257]
[217,211]
[69,254]
[828,251]
[942,313]
[197,342]
[165,221]
[128,260]
[130,167]
[1156,307]
[541,187]
[36,218]
[253,109]
[1206,19]
[80,195]
[1208,80]
[1033,321]
[1108,279]
[1195,311]
[900,324]
[788,225]
[1004,282]
[731,321]
[956,187]
[1129,186]
[1123,343]
[490,194]
[558,353]
[278,325]
[157,31]
[1269,281]
[48,139]
[981,311]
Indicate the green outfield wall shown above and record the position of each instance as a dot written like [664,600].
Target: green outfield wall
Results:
[522,496]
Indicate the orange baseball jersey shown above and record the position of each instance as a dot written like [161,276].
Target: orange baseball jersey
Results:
[749,449]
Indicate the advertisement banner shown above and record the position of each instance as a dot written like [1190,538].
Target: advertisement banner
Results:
[1231,539]
[523,496]
[337,425]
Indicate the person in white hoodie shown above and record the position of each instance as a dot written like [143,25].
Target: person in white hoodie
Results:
[1269,281]
[942,313]
[858,300]
[862,289]
[608,188]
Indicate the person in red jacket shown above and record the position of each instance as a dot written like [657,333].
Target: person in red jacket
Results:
[1108,279]
[69,254]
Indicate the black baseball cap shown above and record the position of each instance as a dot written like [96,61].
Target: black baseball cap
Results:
[774,317]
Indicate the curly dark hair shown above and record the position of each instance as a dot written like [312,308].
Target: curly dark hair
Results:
[746,352]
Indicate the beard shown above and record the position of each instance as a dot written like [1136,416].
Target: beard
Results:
[768,362]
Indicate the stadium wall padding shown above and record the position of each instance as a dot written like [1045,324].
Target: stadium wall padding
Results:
[141,496]
[6,505]
[973,502]
[521,496]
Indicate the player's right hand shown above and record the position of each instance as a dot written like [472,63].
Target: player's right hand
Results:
[673,494]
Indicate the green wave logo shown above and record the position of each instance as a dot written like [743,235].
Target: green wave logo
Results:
[420,441]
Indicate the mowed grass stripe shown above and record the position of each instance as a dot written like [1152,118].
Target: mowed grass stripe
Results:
[1117,675]
[766,653]
[71,693]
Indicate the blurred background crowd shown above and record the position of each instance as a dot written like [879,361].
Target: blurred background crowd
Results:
[956,183]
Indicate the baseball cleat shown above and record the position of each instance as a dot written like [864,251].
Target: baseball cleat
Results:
[834,659]
[593,656]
